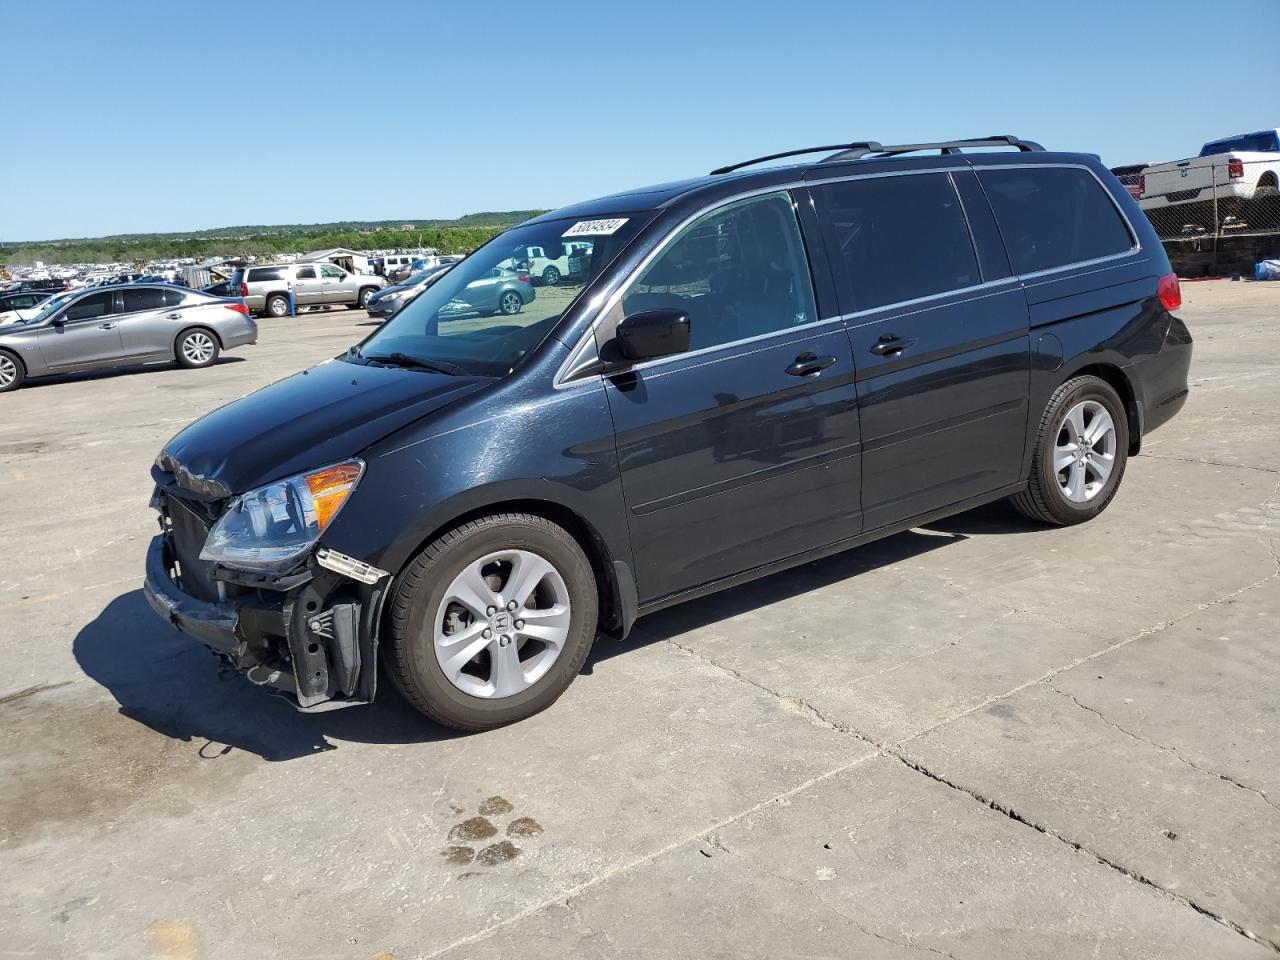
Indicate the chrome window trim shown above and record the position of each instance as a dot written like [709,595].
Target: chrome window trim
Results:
[926,303]
[602,311]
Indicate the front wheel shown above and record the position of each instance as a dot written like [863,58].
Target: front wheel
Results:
[12,372]
[1081,450]
[362,303]
[492,621]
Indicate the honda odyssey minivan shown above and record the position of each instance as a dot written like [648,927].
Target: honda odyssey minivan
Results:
[754,369]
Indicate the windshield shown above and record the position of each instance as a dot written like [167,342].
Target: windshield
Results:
[495,306]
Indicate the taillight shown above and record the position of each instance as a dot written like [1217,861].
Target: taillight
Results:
[1235,169]
[522,277]
[244,289]
[1142,184]
[1169,292]
[237,307]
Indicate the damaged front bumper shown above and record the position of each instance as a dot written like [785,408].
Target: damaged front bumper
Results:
[310,636]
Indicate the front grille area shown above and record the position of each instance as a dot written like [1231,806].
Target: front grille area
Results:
[190,531]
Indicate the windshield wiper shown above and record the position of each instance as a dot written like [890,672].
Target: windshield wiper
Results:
[397,359]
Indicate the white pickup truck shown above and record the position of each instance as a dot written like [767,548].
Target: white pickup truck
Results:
[1241,173]
[551,266]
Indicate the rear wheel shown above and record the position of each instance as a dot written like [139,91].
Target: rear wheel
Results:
[277,305]
[1081,450]
[510,303]
[492,621]
[551,276]
[197,348]
[12,372]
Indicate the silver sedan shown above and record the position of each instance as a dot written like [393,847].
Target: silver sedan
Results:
[120,326]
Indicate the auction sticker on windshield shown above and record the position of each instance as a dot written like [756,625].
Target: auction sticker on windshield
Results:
[595,228]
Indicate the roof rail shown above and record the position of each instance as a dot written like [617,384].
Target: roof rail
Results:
[868,145]
[860,150]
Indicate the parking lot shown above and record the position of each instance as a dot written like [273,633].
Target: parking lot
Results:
[978,739]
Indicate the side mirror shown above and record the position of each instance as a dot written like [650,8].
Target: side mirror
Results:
[58,322]
[655,333]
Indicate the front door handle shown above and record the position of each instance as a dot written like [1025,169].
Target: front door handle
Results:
[174,316]
[106,326]
[808,363]
[890,345]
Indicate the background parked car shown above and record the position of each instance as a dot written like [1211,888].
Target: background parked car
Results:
[23,299]
[120,325]
[1130,176]
[503,291]
[387,301]
[266,289]
[26,313]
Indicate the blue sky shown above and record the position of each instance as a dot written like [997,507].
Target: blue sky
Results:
[172,116]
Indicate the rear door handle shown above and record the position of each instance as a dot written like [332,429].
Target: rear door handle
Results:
[174,316]
[890,345]
[808,363]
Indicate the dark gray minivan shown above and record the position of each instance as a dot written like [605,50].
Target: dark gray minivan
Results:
[753,369]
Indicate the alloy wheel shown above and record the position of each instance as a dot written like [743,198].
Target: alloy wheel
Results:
[1084,453]
[503,622]
[198,348]
[511,303]
[8,371]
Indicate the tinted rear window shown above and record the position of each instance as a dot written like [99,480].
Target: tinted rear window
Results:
[259,274]
[1054,216]
[143,299]
[1265,142]
[899,237]
[173,297]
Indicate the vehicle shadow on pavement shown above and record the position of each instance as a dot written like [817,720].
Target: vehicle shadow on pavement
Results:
[172,684]
[159,367]
[998,517]
[776,588]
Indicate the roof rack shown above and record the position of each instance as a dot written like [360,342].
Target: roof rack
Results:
[870,148]
[858,151]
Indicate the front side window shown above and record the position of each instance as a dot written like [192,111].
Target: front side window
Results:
[94,305]
[737,272]
[328,270]
[1054,216]
[491,309]
[899,238]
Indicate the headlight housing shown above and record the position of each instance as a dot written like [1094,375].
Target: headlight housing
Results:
[278,523]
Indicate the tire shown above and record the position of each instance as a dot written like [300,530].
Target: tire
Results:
[362,302]
[277,305]
[551,276]
[510,303]
[12,371]
[486,556]
[196,348]
[1079,492]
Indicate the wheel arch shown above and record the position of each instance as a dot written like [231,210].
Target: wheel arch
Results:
[1119,381]
[614,584]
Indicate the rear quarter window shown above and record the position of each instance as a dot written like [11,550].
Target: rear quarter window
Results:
[259,274]
[1054,216]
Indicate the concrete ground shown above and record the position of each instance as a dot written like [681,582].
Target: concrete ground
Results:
[979,739]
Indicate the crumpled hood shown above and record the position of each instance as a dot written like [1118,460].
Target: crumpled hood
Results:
[320,416]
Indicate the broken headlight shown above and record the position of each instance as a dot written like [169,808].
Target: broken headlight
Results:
[280,522]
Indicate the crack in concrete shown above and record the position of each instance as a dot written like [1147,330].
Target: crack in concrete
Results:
[32,691]
[1105,861]
[1173,751]
[1208,463]
[909,944]
[894,752]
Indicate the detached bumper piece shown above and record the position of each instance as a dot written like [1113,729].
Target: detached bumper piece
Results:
[310,636]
